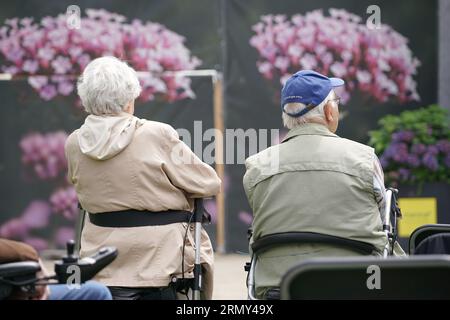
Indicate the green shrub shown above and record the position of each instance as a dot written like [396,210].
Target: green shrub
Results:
[414,147]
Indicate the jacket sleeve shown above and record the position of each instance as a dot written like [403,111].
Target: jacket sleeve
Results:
[378,187]
[14,251]
[68,154]
[247,183]
[185,170]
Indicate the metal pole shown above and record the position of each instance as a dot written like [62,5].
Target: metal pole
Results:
[251,280]
[198,214]
[387,222]
[220,167]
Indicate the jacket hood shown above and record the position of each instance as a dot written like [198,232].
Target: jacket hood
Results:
[103,137]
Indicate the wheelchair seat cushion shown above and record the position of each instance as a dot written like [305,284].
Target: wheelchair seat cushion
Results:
[435,244]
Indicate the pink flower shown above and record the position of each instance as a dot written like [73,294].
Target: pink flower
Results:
[36,214]
[46,54]
[13,229]
[38,244]
[363,76]
[265,69]
[48,92]
[65,202]
[282,64]
[63,235]
[37,82]
[30,66]
[43,154]
[379,64]
[245,217]
[49,47]
[83,60]
[10,69]
[338,69]
[65,88]
[308,61]
[61,65]
[211,206]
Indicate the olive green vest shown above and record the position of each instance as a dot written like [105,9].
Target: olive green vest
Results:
[314,181]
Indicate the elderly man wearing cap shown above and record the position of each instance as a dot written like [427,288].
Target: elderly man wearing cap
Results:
[320,182]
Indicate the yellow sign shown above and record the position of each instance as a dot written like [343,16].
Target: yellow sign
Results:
[416,212]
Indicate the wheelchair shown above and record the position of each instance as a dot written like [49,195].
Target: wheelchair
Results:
[424,275]
[430,239]
[392,213]
[22,276]
[178,285]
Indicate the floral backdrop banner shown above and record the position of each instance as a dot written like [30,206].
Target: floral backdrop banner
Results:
[256,44]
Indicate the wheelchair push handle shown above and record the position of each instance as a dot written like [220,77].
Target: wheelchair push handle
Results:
[392,213]
[198,215]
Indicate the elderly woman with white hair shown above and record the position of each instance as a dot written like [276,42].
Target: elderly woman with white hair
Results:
[123,166]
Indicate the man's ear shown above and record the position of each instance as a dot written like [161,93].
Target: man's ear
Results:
[327,110]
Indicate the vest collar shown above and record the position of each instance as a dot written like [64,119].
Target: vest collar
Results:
[309,129]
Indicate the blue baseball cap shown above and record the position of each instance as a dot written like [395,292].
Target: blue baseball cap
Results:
[307,87]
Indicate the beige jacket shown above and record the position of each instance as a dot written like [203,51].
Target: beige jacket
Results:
[123,162]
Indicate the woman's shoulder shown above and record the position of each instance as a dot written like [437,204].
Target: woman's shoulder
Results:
[72,139]
[156,128]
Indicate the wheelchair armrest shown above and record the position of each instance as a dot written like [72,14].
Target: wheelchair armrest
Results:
[17,274]
[18,269]
[87,267]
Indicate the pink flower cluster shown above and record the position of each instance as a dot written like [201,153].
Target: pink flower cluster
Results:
[377,62]
[51,48]
[35,216]
[64,201]
[44,154]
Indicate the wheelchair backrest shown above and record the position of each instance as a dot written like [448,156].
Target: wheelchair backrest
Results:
[279,239]
[424,232]
[417,277]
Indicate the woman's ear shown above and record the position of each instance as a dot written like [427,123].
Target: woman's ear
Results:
[129,108]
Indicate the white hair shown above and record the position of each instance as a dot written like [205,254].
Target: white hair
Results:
[107,86]
[314,115]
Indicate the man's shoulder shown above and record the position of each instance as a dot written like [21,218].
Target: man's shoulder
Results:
[265,154]
[261,166]
[355,144]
